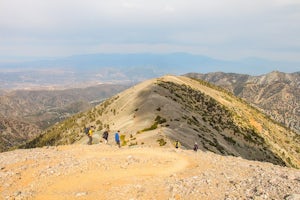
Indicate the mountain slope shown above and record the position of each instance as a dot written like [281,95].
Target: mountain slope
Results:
[160,111]
[25,113]
[14,132]
[276,93]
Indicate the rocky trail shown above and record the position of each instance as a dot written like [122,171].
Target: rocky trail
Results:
[106,172]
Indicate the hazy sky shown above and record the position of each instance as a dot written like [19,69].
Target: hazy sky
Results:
[224,29]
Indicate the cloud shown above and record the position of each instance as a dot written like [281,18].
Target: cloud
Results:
[232,28]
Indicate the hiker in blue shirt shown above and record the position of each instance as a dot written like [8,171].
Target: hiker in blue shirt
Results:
[117,138]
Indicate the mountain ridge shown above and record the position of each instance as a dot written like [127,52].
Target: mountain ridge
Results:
[159,111]
[276,93]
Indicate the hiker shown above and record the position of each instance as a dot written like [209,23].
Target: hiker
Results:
[117,138]
[196,147]
[177,144]
[86,131]
[105,136]
[90,134]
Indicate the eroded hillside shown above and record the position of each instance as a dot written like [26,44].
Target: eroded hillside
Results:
[157,112]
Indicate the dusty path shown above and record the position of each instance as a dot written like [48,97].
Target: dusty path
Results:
[107,172]
[101,171]
[89,171]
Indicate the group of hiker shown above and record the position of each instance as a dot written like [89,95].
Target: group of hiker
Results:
[177,145]
[89,132]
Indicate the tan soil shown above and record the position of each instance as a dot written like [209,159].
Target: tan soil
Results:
[107,172]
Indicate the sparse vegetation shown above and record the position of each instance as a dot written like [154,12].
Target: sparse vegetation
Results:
[123,140]
[229,139]
[218,118]
[161,142]
[132,144]
[158,120]
[152,127]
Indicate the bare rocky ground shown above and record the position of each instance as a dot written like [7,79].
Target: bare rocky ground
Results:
[103,171]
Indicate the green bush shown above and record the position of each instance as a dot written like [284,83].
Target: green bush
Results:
[161,142]
[132,144]
[152,127]
[123,141]
[160,120]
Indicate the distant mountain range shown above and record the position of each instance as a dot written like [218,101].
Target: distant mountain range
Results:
[24,113]
[118,68]
[160,111]
[277,94]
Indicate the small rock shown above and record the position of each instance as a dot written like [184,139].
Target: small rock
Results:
[80,194]
[124,166]
[17,193]
[173,175]
[8,197]
[7,185]
[138,186]
[292,197]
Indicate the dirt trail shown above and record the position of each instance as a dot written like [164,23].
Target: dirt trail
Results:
[109,169]
[107,172]
[94,170]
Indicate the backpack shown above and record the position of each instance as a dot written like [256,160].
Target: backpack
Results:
[105,135]
[86,130]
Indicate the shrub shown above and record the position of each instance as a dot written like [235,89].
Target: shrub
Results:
[161,142]
[160,120]
[123,141]
[230,140]
[132,144]
[152,127]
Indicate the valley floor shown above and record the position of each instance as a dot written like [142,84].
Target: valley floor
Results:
[106,172]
